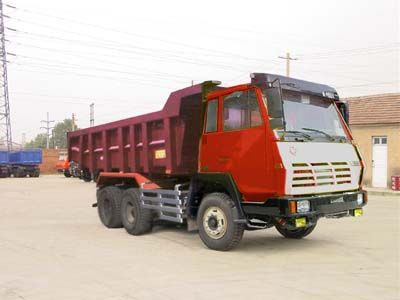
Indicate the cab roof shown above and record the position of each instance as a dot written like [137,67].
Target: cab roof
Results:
[297,85]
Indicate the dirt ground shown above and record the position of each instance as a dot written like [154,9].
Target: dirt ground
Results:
[52,246]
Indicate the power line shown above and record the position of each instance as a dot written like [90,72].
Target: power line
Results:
[60,63]
[309,55]
[369,84]
[349,54]
[168,58]
[62,72]
[346,51]
[91,57]
[115,101]
[208,50]
[107,41]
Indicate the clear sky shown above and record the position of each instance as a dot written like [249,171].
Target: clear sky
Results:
[127,56]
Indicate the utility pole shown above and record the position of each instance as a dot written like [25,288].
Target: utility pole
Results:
[73,122]
[48,128]
[288,59]
[5,123]
[53,135]
[92,115]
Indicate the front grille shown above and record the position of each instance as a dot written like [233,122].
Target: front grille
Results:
[320,173]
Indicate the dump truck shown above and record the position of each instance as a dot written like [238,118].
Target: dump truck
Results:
[20,163]
[25,162]
[275,152]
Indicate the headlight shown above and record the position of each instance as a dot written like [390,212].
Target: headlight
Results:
[359,199]
[303,206]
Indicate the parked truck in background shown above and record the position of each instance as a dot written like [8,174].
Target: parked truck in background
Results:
[275,152]
[4,164]
[20,163]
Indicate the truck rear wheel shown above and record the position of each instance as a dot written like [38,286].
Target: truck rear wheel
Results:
[86,176]
[96,174]
[19,172]
[215,221]
[136,219]
[109,206]
[296,233]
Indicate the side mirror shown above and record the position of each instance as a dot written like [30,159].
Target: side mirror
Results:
[274,102]
[275,107]
[344,111]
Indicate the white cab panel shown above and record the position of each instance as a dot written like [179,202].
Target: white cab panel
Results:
[315,168]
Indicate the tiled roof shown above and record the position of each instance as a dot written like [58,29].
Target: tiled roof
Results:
[374,109]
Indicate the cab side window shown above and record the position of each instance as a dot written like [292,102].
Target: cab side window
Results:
[241,110]
[211,117]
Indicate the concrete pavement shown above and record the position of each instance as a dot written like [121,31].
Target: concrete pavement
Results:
[52,246]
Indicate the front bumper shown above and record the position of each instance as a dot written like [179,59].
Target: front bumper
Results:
[330,205]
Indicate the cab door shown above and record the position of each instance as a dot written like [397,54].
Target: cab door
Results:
[234,141]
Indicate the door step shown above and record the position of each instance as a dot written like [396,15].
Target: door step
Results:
[168,204]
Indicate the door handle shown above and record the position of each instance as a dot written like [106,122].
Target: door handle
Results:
[223,159]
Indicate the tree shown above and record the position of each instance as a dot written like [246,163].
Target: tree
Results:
[38,142]
[58,138]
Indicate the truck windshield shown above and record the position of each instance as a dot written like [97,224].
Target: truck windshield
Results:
[312,115]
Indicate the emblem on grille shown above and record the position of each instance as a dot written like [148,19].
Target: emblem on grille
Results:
[292,150]
[337,200]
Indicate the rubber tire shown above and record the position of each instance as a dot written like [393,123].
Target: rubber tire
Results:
[111,196]
[19,173]
[96,174]
[36,173]
[295,234]
[87,176]
[67,174]
[234,232]
[143,221]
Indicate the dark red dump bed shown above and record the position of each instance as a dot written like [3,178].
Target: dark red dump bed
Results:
[162,142]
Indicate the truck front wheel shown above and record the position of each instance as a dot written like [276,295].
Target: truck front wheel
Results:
[109,206]
[295,233]
[136,219]
[215,221]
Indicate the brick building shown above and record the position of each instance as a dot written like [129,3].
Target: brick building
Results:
[50,159]
[375,125]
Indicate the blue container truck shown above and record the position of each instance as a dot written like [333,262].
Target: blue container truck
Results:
[20,163]
[4,164]
[25,162]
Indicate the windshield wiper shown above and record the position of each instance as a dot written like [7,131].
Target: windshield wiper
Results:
[307,136]
[320,131]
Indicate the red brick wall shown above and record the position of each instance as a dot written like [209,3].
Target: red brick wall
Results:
[50,159]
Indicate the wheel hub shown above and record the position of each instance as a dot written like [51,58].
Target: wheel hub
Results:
[215,222]
[130,213]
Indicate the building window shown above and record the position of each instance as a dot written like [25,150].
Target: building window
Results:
[380,140]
